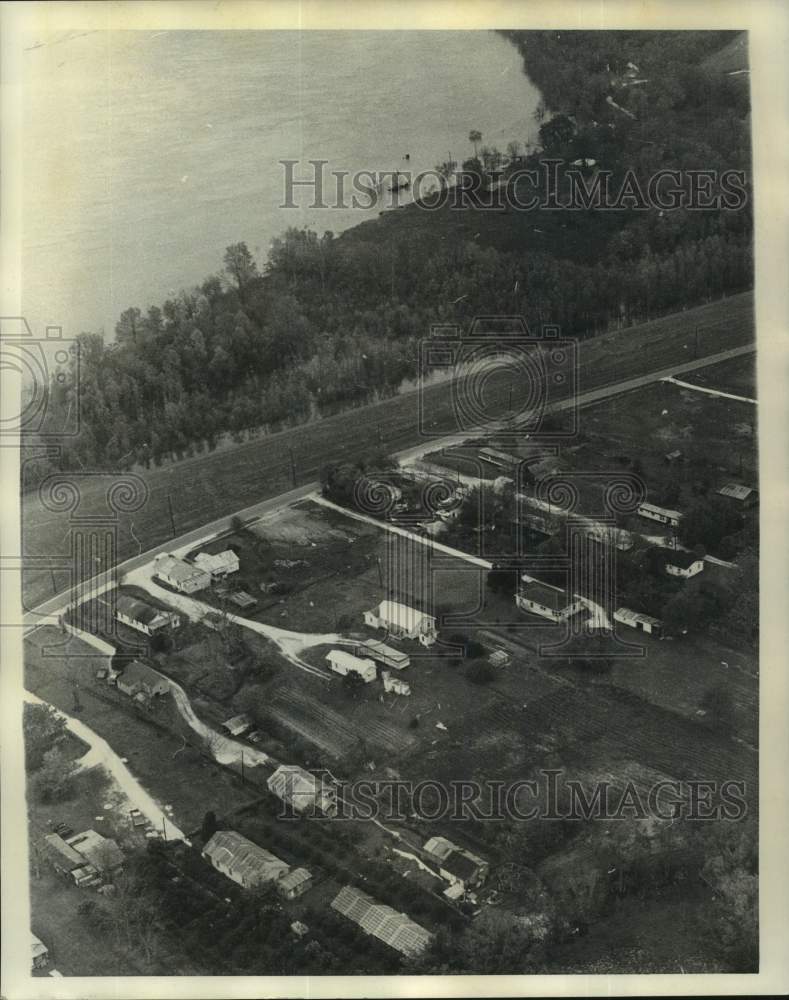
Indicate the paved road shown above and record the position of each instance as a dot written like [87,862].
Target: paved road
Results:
[43,612]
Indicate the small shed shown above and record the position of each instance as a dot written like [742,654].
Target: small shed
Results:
[237,725]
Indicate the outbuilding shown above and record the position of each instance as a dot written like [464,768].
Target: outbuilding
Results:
[343,663]
[638,621]
[663,515]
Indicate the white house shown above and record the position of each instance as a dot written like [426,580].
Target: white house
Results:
[181,575]
[638,621]
[403,622]
[345,663]
[302,790]
[394,684]
[546,600]
[661,514]
[684,564]
[141,616]
[218,565]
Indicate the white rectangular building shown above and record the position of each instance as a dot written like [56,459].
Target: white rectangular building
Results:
[546,600]
[660,514]
[403,622]
[638,621]
[345,663]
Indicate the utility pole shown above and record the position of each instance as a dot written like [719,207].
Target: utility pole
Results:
[292,467]
[164,830]
[380,573]
[172,516]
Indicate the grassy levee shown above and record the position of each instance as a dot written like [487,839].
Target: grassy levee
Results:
[210,486]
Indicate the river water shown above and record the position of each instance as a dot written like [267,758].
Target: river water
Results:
[147,153]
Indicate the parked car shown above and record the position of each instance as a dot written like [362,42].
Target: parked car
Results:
[137,817]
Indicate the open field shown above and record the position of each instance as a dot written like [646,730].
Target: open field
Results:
[213,485]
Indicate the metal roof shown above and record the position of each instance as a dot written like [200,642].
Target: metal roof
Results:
[381,921]
[544,593]
[736,491]
[253,863]
[360,664]
[294,878]
[630,617]
[402,616]
[654,509]
[178,569]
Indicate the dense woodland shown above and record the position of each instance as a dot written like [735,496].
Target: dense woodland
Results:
[327,322]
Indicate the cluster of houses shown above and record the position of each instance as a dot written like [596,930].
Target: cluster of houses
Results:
[189,577]
[343,663]
[87,858]
[250,865]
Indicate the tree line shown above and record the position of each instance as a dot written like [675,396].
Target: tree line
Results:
[326,322]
